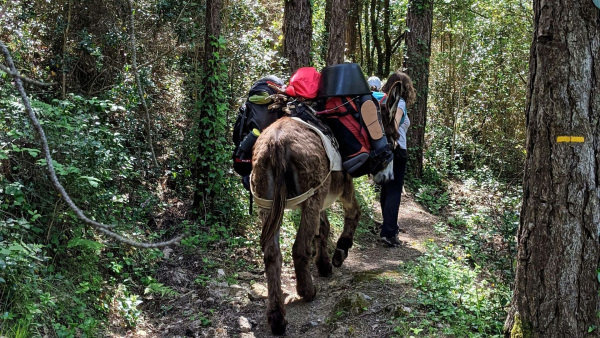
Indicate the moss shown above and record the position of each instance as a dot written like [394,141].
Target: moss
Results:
[353,303]
[381,275]
[520,329]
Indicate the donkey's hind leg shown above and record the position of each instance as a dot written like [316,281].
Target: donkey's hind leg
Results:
[275,307]
[302,249]
[351,217]
[322,261]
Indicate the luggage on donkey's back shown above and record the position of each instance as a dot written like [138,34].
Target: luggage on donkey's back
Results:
[354,117]
[253,116]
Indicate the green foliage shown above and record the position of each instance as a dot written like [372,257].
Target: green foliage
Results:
[52,267]
[479,69]
[217,190]
[453,298]
[486,226]
[366,195]
[431,189]
[432,197]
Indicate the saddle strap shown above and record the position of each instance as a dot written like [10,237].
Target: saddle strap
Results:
[291,203]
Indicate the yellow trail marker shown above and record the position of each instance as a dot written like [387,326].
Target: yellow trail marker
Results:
[570,139]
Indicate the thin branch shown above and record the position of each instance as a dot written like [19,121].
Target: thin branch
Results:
[64,51]
[396,42]
[42,136]
[140,89]
[25,78]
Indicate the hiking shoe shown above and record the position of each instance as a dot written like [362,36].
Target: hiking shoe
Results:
[391,241]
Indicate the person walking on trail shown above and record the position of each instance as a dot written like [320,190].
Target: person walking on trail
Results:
[398,88]
[375,85]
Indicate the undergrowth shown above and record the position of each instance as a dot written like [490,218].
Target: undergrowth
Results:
[463,282]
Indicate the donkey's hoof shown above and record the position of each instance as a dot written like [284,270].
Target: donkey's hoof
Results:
[325,268]
[338,257]
[308,295]
[277,322]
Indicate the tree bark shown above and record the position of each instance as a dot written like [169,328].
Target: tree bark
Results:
[64,51]
[211,46]
[367,53]
[352,35]
[336,29]
[556,286]
[375,9]
[297,31]
[418,50]
[387,59]
[360,35]
[212,30]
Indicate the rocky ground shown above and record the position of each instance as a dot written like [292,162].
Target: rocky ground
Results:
[359,300]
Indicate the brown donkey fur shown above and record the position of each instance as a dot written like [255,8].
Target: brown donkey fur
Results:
[289,159]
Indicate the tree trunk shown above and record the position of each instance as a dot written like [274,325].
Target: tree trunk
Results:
[556,286]
[336,29]
[368,58]
[297,31]
[211,46]
[352,36]
[360,35]
[387,59]
[418,49]
[375,9]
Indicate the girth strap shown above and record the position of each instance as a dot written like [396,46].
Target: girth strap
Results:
[291,203]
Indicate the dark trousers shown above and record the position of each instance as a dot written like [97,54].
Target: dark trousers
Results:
[391,193]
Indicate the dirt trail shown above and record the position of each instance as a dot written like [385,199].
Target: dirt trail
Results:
[357,301]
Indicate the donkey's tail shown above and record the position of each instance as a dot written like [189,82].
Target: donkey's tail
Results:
[278,166]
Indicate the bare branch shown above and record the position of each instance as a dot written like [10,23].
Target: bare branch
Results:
[42,136]
[25,78]
[396,42]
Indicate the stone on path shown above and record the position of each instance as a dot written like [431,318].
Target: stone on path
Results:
[244,324]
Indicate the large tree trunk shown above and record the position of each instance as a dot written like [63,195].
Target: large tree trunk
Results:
[418,49]
[336,29]
[556,287]
[297,31]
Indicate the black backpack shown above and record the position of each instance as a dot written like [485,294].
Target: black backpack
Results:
[252,116]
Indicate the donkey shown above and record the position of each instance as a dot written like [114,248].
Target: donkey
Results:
[288,159]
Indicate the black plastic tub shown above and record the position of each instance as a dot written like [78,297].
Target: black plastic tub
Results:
[346,79]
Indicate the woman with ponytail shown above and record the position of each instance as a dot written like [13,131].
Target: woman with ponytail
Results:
[400,93]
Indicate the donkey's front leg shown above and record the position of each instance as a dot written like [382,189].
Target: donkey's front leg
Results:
[351,217]
[302,249]
[275,307]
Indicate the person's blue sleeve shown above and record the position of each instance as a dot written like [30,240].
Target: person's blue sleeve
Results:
[402,105]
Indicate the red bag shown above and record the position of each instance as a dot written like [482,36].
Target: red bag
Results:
[304,83]
[341,115]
